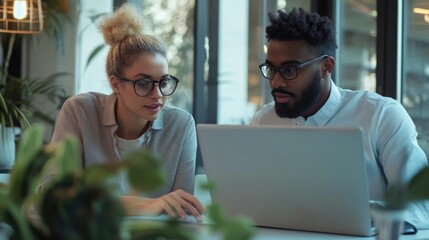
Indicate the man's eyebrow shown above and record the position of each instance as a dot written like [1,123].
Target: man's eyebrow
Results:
[291,62]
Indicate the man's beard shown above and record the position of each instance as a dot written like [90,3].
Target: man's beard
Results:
[309,98]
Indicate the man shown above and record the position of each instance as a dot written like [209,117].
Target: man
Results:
[298,67]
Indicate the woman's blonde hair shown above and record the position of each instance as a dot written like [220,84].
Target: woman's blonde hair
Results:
[123,32]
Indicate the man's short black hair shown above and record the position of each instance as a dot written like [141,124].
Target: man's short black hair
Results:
[298,24]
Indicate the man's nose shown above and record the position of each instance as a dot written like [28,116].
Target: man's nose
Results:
[278,81]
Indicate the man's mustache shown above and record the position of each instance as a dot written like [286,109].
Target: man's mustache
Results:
[278,90]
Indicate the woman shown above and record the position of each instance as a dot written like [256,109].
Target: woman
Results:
[135,115]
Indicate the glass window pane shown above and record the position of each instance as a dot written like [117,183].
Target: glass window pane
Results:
[173,22]
[91,76]
[356,54]
[232,68]
[415,86]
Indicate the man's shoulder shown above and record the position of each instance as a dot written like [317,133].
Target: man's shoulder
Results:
[267,115]
[368,98]
[267,108]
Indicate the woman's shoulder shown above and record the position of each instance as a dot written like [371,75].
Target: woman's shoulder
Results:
[86,100]
[168,109]
[171,113]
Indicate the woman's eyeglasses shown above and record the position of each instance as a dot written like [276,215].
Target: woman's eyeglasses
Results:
[143,87]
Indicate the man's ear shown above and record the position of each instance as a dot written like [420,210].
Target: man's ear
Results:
[328,65]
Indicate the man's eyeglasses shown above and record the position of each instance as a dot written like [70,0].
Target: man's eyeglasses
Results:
[143,87]
[287,71]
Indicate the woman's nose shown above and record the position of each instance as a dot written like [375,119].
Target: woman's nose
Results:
[156,92]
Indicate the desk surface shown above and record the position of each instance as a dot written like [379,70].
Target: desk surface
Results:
[277,234]
[201,231]
[274,234]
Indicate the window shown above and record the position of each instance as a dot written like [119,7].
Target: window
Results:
[356,54]
[415,85]
[91,77]
[241,88]
[173,22]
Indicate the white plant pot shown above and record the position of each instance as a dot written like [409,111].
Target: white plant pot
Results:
[7,147]
[5,231]
[388,222]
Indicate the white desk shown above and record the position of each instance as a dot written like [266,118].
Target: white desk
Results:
[277,234]
[201,231]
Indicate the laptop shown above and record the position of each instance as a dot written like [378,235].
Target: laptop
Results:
[300,178]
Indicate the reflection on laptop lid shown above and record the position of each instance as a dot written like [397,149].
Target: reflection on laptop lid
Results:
[303,178]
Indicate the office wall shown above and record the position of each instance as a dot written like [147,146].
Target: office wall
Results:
[41,57]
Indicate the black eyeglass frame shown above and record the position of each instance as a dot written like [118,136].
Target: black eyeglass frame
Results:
[297,68]
[134,82]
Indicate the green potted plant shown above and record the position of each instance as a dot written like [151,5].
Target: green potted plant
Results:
[10,115]
[18,108]
[80,204]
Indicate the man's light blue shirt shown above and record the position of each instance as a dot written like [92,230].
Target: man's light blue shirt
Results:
[389,138]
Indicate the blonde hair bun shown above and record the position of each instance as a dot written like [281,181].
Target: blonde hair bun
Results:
[123,23]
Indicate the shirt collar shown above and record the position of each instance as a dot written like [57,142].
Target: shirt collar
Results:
[322,117]
[158,123]
[108,118]
[109,114]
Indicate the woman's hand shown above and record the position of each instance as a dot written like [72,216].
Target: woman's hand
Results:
[176,204]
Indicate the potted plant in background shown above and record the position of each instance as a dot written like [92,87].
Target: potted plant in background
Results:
[17,94]
[10,114]
[18,108]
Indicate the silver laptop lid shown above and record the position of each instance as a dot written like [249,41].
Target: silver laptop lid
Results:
[304,178]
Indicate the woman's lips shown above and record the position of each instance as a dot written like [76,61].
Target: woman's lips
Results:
[153,108]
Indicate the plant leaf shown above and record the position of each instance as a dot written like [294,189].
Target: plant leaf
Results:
[8,205]
[29,164]
[98,174]
[215,214]
[208,186]
[68,156]
[418,188]
[95,17]
[144,170]
[239,229]
[94,53]
[31,142]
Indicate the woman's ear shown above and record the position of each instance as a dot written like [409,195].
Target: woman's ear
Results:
[114,83]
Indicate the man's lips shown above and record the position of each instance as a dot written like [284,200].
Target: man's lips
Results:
[281,95]
[282,98]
